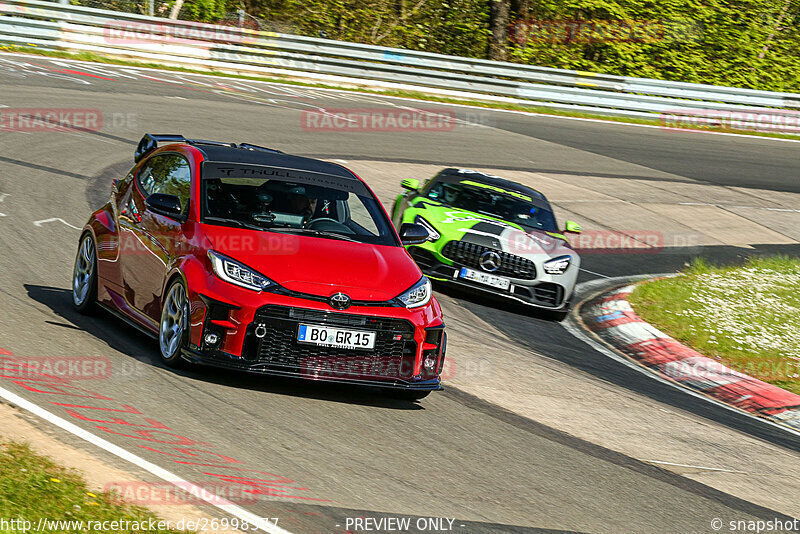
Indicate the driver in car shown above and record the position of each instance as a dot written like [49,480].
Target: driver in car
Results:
[301,204]
[451,193]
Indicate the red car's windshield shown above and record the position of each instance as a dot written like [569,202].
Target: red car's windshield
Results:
[290,202]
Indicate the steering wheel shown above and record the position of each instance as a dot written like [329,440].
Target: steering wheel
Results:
[310,223]
[332,225]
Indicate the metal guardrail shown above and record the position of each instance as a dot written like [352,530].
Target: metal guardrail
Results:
[58,26]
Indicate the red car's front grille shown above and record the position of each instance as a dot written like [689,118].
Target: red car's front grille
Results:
[393,356]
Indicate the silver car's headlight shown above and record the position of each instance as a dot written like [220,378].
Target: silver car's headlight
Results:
[418,295]
[557,265]
[237,273]
[433,235]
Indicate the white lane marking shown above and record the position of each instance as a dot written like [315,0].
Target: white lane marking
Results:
[160,472]
[135,70]
[592,199]
[237,87]
[694,466]
[574,326]
[3,197]
[735,471]
[724,206]
[284,94]
[106,72]
[594,273]
[293,88]
[53,219]
[195,82]
[335,115]
[43,71]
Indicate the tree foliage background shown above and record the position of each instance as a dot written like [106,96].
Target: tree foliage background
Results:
[744,43]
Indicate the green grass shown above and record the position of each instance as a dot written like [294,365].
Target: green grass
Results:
[33,487]
[747,316]
[544,110]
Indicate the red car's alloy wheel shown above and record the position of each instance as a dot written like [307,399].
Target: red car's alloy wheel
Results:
[174,322]
[84,275]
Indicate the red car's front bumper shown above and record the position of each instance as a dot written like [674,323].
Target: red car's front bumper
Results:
[257,332]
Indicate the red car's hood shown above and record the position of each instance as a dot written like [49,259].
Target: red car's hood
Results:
[318,265]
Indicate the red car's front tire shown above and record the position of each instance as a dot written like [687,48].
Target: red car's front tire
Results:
[173,329]
[84,276]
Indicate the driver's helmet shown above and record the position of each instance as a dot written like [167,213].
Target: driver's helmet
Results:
[450,193]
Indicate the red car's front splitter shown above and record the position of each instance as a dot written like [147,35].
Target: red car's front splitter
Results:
[332,372]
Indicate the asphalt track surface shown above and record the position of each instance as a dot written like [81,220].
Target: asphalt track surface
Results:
[351,453]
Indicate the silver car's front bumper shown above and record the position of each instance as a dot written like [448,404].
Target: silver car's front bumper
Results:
[551,292]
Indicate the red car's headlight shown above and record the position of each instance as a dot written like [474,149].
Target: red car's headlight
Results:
[417,295]
[237,273]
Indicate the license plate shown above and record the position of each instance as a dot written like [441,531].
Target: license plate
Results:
[485,278]
[325,336]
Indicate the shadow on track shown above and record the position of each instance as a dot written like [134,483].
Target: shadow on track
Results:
[129,341]
[532,331]
[491,302]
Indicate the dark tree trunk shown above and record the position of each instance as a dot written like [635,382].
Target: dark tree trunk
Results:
[522,9]
[498,25]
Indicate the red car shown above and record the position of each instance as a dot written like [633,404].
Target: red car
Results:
[247,258]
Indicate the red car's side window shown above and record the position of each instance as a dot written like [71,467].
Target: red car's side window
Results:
[167,174]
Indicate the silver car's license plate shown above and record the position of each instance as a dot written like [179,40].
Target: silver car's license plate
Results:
[485,278]
[340,338]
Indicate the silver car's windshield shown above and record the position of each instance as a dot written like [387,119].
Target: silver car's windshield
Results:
[495,204]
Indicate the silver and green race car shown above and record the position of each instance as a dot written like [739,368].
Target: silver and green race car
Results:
[490,234]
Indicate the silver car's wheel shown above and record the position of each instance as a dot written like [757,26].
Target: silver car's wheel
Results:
[84,275]
[174,324]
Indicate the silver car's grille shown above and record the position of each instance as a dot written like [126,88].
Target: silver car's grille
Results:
[469,254]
